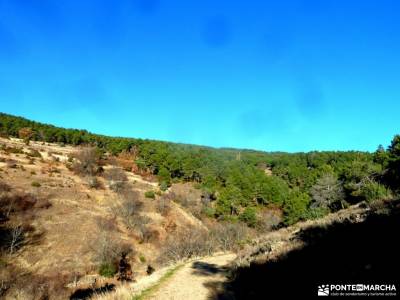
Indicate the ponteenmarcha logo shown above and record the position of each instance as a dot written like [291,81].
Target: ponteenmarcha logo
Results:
[323,290]
[357,290]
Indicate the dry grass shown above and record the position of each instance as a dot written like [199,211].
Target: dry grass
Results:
[143,288]
[69,215]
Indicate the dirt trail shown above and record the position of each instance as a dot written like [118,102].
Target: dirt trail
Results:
[190,281]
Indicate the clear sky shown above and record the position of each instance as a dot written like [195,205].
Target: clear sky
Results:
[271,75]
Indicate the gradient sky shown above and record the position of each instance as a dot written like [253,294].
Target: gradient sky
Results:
[269,75]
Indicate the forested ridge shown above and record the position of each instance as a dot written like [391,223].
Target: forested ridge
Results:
[245,185]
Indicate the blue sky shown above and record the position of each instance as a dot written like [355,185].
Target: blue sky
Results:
[271,75]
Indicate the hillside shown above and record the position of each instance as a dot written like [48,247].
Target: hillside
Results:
[236,178]
[83,214]
[340,244]
[67,225]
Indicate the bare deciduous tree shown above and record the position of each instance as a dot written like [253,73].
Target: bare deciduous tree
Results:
[106,247]
[185,244]
[86,161]
[26,133]
[268,220]
[15,238]
[163,205]
[327,191]
[227,236]
[139,224]
[116,178]
[127,206]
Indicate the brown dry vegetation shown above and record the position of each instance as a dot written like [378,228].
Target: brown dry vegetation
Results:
[69,212]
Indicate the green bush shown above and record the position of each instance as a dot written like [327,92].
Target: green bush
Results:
[249,216]
[228,202]
[164,176]
[142,258]
[36,184]
[208,211]
[107,270]
[197,186]
[375,191]
[150,194]
[316,213]
[295,207]
[163,186]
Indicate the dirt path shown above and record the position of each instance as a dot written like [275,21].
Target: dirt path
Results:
[190,281]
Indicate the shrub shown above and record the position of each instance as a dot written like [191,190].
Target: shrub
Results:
[150,270]
[116,178]
[316,213]
[26,133]
[128,206]
[86,162]
[11,238]
[34,153]
[107,248]
[186,244]
[14,150]
[138,223]
[150,194]
[374,191]
[164,176]
[142,258]
[147,234]
[269,219]
[190,203]
[229,201]
[295,207]
[93,182]
[107,269]
[35,184]
[12,164]
[208,211]
[393,173]
[15,202]
[249,216]
[163,206]
[163,186]
[106,224]
[228,236]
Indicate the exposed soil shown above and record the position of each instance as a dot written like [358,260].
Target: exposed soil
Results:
[193,279]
